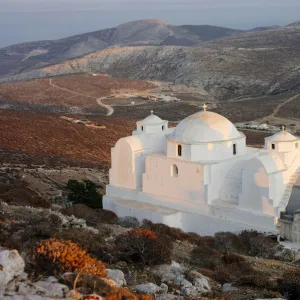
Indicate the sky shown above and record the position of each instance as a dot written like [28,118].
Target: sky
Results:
[30,20]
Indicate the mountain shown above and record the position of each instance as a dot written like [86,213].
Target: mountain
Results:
[223,73]
[278,37]
[27,56]
[247,63]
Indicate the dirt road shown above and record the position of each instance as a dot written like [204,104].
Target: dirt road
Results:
[109,108]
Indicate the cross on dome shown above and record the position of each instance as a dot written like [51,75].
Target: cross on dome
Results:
[204,107]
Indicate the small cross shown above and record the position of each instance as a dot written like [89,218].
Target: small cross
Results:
[283,128]
[204,106]
[152,112]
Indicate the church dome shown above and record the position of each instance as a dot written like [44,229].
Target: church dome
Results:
[204,127]
[151,120]
[282,136]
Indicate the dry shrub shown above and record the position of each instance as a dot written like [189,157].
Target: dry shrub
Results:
[92,216]
[123,293]
[258,280]
[144,246]
[206,257]
[226,242]
[88,284]
[165,230]
[291,276]
[232,258]
[65,256]
[83,238]
[22,197]
[257,244]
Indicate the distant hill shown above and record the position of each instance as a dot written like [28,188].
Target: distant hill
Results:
[27,56]
[241,63]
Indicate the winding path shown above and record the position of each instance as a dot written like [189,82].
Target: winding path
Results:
[109,108]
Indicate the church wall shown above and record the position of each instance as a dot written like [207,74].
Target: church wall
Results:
[190,217]
[225,173]
[122,165]
[217,151]
[151,128]
[187,185]
[255,189]
[128,159]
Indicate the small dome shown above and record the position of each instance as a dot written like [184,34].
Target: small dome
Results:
[151,120]
[204,127]
[282,136]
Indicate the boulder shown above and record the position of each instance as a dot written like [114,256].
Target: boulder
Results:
[148,288]
[117,276]
[170,272]
[227,287]
[11,266]
[43,288]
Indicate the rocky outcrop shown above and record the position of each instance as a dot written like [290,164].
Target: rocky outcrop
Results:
[11,267]
[15,285]
[189,283]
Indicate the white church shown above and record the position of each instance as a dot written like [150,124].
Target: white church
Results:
[201,177]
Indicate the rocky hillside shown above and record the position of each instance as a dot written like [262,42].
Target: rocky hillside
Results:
[18,58]
[223,73]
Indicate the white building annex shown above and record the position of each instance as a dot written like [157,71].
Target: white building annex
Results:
[201,177]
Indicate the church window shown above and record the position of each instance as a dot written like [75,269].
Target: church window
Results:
[179,150]
[273,146]
[163,127]
[297,145]
[174,171]
[234,149]
[142,127]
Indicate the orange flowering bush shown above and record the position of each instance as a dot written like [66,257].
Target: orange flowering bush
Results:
[65,256]
[144,246]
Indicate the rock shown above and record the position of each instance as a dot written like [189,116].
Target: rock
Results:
[227,287]
[15,296]
[148,288]
[168,297]
[169,273]
[117,276]
[164,288]
[42,288]
[11,266]
[121,264]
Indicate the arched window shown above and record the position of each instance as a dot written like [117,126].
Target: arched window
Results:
[174,171]
[163,127]
[297,146]
[142,128]
[273,146]
[179,150]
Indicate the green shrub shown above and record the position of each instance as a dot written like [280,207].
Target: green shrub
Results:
[85,192]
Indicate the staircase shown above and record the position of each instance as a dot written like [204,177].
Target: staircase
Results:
[288,191]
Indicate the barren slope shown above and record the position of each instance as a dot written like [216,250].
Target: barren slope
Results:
[225,73]
[48,136]
[73,94]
